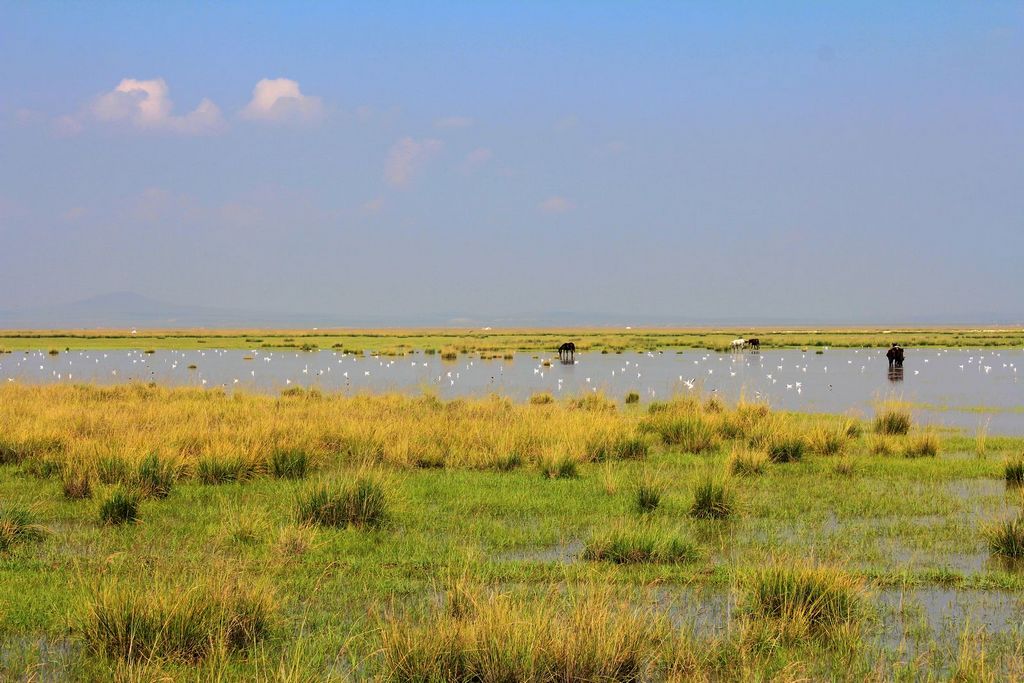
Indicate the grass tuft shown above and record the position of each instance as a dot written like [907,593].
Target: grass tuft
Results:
[155,476]
[120,507]
[921,445]
[713,497]
[505,638]
[798,600]
[362,503]
[289,464]
[1013,471]
[1006,538]
[892,418]
[746,462]
[559,468]
[138,622]
[827,440]
[17,526]
[639,545]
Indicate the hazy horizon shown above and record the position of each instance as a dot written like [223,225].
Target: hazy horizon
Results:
[656,160]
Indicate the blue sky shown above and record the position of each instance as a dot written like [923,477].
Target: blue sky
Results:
[694,160]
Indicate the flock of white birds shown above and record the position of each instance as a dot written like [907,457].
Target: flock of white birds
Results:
[834,379]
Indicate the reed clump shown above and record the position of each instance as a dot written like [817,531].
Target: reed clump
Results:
[639,545]
[714,497]
[480,637]
[921,445]
[17,526]
[137,622]
[892,418]
[796,600]
[747,462]
[120,507]
[1013,471]
[1006,537]
[362,503]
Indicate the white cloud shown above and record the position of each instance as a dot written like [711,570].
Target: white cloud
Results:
[556,205]
[406,157]
[148,106]
[279,100]
[454,122]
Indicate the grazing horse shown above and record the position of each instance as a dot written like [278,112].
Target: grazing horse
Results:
[567,352]
[737,344]
[754,344]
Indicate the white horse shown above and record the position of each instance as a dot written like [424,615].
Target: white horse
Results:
[738,344]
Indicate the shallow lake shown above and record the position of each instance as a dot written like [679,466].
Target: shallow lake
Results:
[950,387]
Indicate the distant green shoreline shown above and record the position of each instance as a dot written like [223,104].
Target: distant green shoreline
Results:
[486,341]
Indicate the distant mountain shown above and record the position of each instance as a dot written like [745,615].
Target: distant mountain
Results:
[128,309]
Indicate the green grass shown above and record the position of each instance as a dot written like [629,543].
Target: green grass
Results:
[289,464]
[638,545]
[797,599]
[714,497]
[552,563]
[17,526]
[1013,471]
[155,621]
[361,503]
[893,419]
[1006,538]
[120,507]
[500,341]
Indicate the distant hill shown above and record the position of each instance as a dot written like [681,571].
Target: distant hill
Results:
[129,309]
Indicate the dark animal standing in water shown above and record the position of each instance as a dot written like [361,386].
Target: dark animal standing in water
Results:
[895,355]
[754,344]
[567,352]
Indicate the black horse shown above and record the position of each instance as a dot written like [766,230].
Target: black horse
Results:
[567,352]
[754,343]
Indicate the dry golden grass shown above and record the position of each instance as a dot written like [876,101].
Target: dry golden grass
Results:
[118,434]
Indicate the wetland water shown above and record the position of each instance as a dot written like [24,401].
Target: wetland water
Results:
[948,386]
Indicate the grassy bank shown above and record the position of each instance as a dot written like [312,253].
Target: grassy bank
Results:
[498,341]
[148,532]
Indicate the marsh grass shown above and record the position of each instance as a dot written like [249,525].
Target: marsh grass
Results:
[845,466]
[112,469]
[892,418]
[618,447]
[981,439]
[155,476]
[648,495]
[542,399]
[505,638]
[213,470]
[639,544]
[121,506]
[363,502]
[632,397]
[17,526]
[827,440]
[559,468]
[152,620]
[1013,471]
[76,482]
[747,462]
[1006,537]
[714,497]
[289,463]
[796,599]
[921,445]
[880,445]
[691,432]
